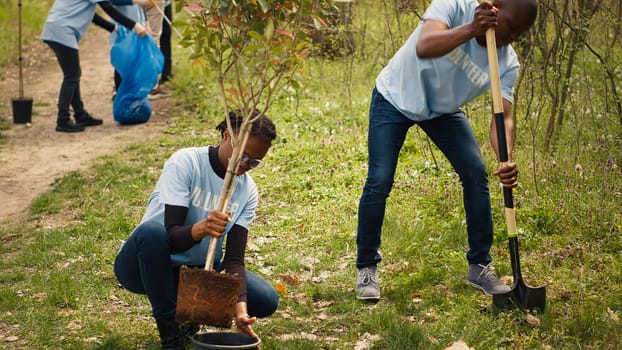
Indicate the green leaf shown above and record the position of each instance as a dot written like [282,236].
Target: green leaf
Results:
[269,29]
[253,34]
[264,5]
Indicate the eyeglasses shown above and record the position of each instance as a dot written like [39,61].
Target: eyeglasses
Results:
[252,162]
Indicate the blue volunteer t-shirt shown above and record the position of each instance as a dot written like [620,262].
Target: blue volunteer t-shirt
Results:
[425,88]
[68,20]
[133,12]
[189,180]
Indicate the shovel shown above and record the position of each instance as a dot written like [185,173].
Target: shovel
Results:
[205,296]
[22,106]
[521,295]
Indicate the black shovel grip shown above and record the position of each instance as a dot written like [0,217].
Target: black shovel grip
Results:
[503,155]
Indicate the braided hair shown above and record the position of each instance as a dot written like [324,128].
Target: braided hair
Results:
[262,126]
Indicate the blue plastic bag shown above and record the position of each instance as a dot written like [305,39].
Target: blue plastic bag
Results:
[139,62]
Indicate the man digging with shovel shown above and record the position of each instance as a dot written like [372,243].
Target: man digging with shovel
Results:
[179,222]
[441,67]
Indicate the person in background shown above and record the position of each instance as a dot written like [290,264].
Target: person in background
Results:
[181,219]
[165,44]
[155,19]
[65,25]
[154,10]
[441,67]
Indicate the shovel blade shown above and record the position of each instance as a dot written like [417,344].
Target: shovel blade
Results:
[521,296]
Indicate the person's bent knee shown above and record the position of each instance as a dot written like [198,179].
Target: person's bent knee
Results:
[267,307]
[378,187]
[152,231]
[264,302]
[474,177]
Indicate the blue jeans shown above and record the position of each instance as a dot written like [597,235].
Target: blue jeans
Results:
[453,135]
[69,62]
[143,266]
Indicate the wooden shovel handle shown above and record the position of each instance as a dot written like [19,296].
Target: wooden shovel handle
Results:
[497,107]
[495,80]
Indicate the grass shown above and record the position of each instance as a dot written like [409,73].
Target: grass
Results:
[33,16]
[58,289]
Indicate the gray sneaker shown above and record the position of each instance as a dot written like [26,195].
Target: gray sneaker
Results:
[483,277]
[367,287]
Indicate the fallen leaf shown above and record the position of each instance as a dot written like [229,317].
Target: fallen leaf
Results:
[509,280]
[565,295]
[322,304]
[301,335]
[281,289]
[324,275]
[532,320]
[366,342]
[433,340]
[613,315]
[9,237]
[292,280]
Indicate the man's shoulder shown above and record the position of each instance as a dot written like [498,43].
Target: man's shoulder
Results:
[454,13]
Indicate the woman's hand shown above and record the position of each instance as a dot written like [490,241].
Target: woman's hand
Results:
[508,174]
[140,29]
[243,322]
[142,3]
[213,225]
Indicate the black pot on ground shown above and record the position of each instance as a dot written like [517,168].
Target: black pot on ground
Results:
[224,340]
[22,110]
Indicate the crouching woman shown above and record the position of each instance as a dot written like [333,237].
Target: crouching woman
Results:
[180,220]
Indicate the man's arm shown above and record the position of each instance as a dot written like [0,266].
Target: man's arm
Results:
[510,130]
[437,39]
[507,172]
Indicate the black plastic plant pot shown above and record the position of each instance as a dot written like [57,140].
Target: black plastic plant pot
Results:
[22,110]
[224,341]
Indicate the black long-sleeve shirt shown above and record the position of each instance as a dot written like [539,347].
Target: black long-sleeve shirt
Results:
[108,7]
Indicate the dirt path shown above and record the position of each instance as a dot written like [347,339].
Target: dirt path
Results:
[35,155]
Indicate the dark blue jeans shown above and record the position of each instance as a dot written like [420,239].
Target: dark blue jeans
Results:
[69,61]
[453,135]
[143,266]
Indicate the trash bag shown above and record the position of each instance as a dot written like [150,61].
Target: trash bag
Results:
[139,62]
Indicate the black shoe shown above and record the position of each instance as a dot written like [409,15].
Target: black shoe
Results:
[158,93]
[69,127]
[189,329]
[88,120]
[166,77]
[170,335]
